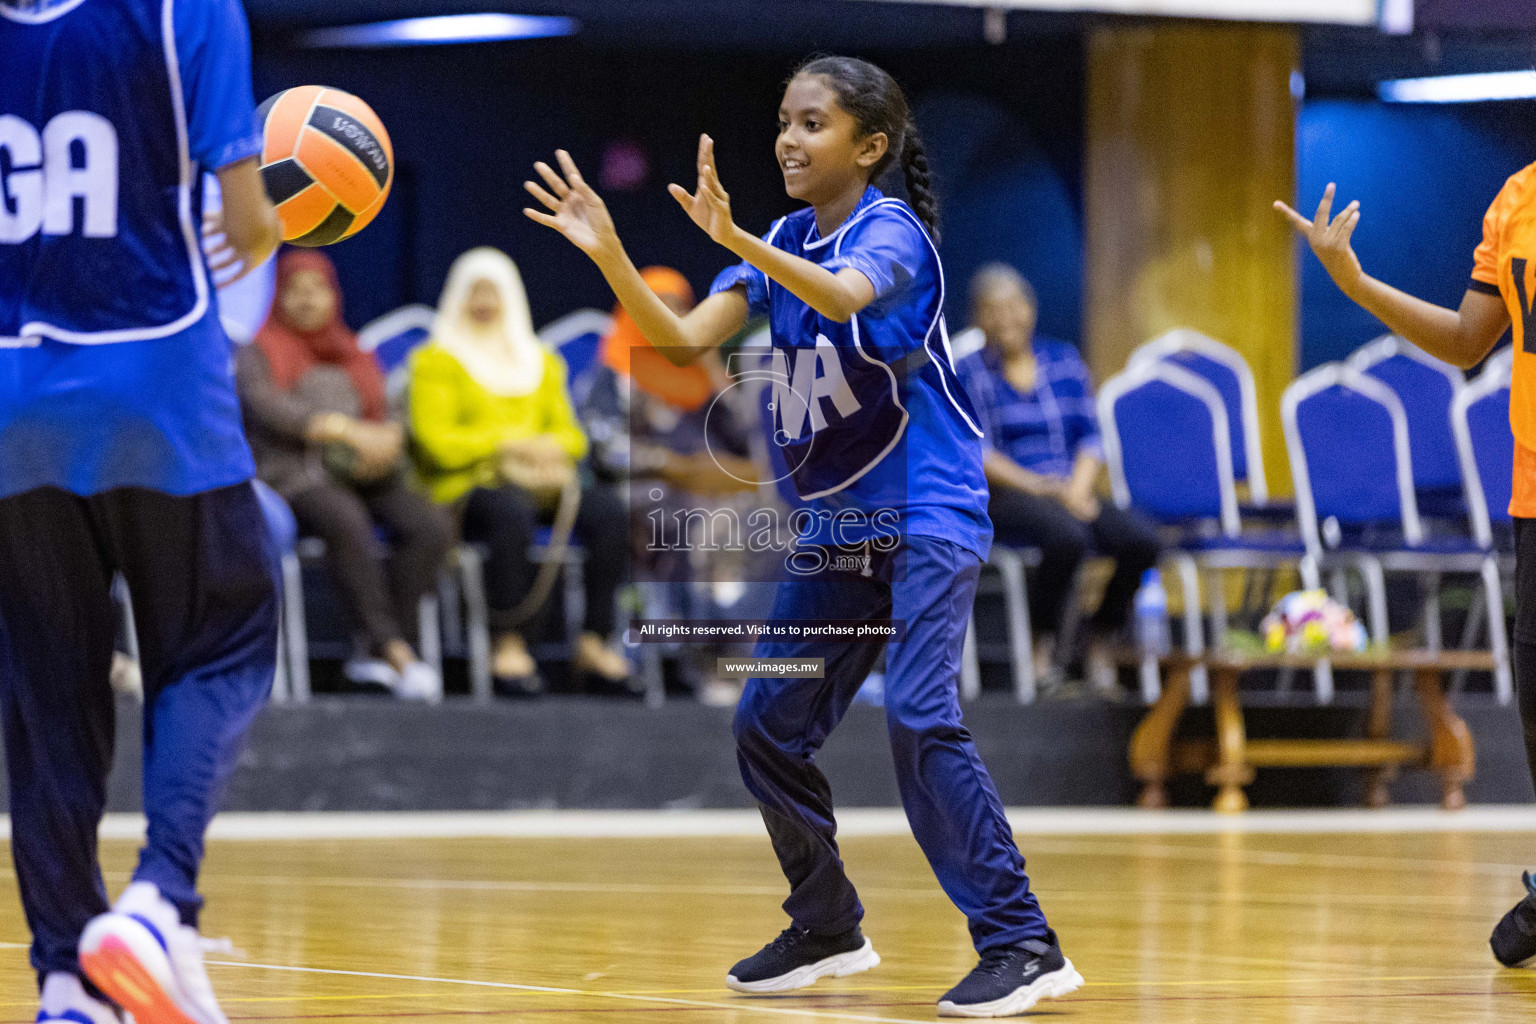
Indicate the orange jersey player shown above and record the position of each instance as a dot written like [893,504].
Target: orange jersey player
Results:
[1501,294]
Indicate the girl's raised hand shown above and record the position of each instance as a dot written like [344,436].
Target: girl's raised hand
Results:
[576,211]
[1330,238]
[709,206]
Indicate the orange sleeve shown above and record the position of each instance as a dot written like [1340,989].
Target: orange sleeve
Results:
[1485,261]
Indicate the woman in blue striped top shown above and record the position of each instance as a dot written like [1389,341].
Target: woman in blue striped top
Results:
[1043,456]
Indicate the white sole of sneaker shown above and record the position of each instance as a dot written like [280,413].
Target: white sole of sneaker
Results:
[125,960]
[839,966]
[1062,981]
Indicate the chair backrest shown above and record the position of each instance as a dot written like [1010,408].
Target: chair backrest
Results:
[1226,369]
[1485,447]
[1426,386]
[1347,437]
[393,336]
[576,336]
[1168,444]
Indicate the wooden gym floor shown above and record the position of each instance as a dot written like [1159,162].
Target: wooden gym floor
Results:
[1223,927]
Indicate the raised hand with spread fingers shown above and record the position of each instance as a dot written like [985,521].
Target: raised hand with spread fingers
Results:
[709,205]
[1330,237]
[1461,336]
[576,211]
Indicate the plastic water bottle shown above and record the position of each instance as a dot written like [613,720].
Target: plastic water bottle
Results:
[1152,616]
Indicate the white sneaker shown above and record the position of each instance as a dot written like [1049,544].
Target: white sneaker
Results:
[420,681]
[371,670]
[143,957]
[66,1001]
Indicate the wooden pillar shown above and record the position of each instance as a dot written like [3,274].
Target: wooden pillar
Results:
[1190,137]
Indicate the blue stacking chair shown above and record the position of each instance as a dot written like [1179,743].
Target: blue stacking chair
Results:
[1228,372]
[1347,435]
[392,337]
[1168,446]
[577,337]
[1485,449]
[1426,386]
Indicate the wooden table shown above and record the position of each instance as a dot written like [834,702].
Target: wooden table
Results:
[1229,760]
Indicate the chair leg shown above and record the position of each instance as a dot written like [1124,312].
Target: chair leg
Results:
[125,609]
[1216,585]
[1376,596]
[653,605]
[452,615]
[294,629]
[1194,627]
[429,626]
[1433,638]
[970,666]
[1469,632]
[280,670]
[1322,674]
[1498,641]
[1020,638]
[476,623]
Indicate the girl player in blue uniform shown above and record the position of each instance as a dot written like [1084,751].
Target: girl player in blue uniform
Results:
[121,451]
[887,455]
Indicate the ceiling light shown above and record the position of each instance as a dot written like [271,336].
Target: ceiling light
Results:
[446,28]
[1494,85]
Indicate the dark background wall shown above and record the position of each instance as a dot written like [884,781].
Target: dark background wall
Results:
[1003,125]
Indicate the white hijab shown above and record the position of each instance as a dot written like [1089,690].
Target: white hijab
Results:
[506,359]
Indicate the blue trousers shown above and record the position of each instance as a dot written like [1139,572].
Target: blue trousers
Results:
[954,809]
[203,574]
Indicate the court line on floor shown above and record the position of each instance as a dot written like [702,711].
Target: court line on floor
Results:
[742,1005]
[1177,897]
[1027,822]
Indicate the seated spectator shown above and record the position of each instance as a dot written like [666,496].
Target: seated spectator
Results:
[315,414]
[497,439]
[1043,457]
[660,427]
[646,416]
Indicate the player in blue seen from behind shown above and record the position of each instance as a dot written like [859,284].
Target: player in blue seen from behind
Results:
[121,452]
[886,453]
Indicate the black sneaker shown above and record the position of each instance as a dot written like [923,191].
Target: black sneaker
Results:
[1010,980]
[798,958]
[1514,938]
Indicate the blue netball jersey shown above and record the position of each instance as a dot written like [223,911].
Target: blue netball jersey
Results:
[872,420]
[114,369]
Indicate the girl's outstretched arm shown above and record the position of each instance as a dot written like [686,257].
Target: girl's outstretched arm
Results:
[835,296]
[578,213]
[1462,337]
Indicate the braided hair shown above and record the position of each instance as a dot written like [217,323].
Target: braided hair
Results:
[877,104]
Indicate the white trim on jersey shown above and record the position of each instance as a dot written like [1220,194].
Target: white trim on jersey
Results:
[187,173]
[938,320]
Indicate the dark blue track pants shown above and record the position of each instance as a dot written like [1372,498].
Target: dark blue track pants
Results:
[951,803]
[203,575]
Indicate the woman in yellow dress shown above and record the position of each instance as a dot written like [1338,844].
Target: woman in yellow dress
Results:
[496,438]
